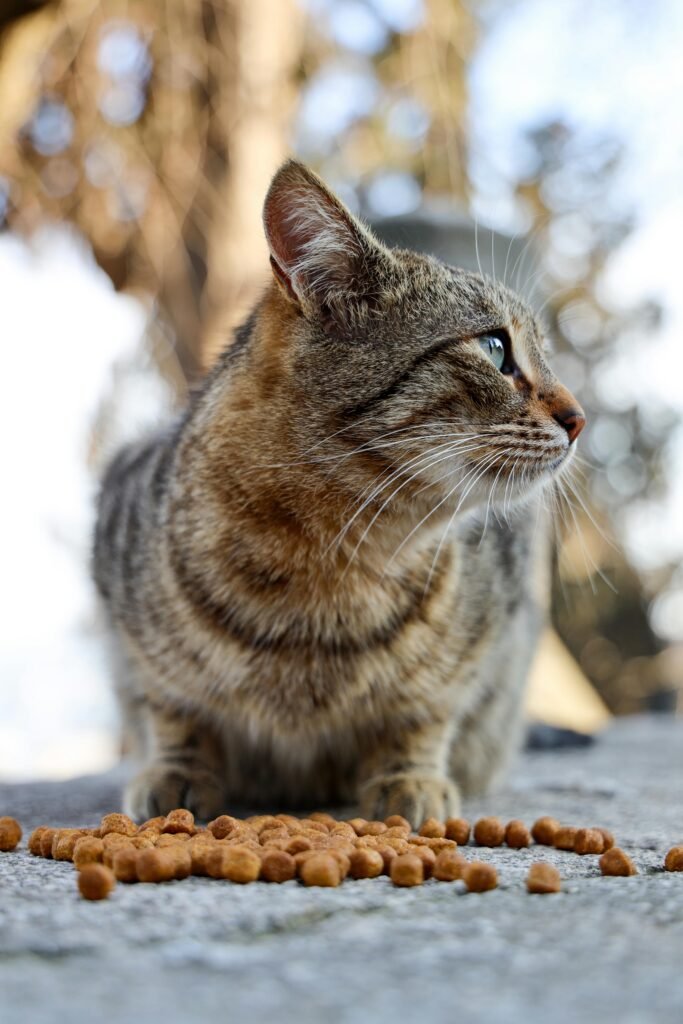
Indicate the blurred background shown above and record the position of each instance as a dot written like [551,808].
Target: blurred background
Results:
[539,138]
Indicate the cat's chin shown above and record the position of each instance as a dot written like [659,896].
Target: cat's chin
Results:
[508,498]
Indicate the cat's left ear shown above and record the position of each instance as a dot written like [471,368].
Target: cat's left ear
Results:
[321,255]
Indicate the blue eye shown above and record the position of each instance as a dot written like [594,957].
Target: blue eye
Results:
[494,349]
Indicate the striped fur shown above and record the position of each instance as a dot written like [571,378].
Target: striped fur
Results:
[325,582]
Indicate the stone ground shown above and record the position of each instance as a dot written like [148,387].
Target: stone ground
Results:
[605,949]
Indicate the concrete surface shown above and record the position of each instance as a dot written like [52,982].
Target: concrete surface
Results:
[605,949]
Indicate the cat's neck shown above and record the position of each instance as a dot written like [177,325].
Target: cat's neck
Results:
[282,517]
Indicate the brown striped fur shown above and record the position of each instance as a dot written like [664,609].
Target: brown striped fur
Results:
[287,628]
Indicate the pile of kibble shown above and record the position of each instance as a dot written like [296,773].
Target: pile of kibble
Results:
[318,850]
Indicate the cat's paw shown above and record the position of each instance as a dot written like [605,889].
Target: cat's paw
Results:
[161,788]
[416,797]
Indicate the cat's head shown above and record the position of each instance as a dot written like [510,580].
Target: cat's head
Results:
[406,374]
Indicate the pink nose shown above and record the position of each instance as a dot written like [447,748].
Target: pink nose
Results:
[573,421]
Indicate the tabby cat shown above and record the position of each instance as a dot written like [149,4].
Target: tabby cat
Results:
[327,579]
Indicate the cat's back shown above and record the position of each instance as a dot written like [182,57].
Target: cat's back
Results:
[129,508]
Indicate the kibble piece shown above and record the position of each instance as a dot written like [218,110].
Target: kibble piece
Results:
[64,843]
[320,869]
[432,828]
[46,842]
[223,826]
[297,844]
[171,839]
[607,838]
[323,817]
[234,863]
[141,842]
[674,859]
[150,834]
[479,877]
[589,840]
[112,842]
[565,837]
[124,864]
[543,878]
[277,866]
[343,859]
[397,831]
[543,831]
[180,820]
[182,861]
[616,862]
[406,870]
[357,824]
[459,830]
[366,863]
[367,842]
[155,865]
[88,850]
[388,854]
[301,858]
[437,845]
[34,840]
[398,844]
[153,823]
[287,819]
[428,858]
[489,832]
[448,866]
[517,835]
[95,882]
[311,825]
[342,828]
[199,854]
[397,821]
[372,828]
[120,823]
[10,834]
[259,821]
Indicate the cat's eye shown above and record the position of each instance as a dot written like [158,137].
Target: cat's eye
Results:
[492,346]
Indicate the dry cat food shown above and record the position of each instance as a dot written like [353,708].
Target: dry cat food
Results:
[615,862]
[543,878]
[448,866]
[407,870]
[319,850]
[95,882]
[589,840]
[489,832]
[674,859]
[565,837]
[459,830]
[10,834]
[517,835]
[479,877]
[543,831]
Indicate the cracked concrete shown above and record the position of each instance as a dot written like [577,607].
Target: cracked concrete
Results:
[603,949]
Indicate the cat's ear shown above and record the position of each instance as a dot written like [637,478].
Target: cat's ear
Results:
[320,254]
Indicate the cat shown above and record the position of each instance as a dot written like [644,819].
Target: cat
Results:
[327,579]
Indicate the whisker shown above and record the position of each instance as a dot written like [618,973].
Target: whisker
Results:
[452,518]
[377,514]
[436,507]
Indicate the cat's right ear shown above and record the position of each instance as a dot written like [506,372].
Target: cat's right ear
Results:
[321,255]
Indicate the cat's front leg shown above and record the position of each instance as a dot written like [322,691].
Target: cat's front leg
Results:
[183,769]
[407,774]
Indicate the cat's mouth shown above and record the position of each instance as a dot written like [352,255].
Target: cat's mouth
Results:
[550,467]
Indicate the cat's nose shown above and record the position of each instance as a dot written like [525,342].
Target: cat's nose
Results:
[572,419]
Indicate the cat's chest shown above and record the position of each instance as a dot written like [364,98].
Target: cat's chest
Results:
[312,669]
